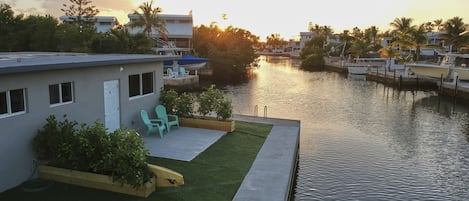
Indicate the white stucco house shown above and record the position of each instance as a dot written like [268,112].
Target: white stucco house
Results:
[110,87]
[101,23]
[179,33]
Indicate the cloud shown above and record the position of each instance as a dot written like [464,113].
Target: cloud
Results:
[53,7]
[12,3]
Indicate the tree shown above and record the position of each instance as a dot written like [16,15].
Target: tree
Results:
[82,9]
[121,41]
[312,54]
[149,19]
[371,34]
[360,48]
[37,33]
[275,41]
[454,29]
[8,28]
[229,51]
[418,36]
[438,24]
[389,52]
[71,37]
[357,34]
[401,24]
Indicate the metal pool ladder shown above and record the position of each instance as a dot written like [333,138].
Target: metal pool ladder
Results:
[256,111]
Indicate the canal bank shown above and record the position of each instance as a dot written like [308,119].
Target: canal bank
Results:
[456,90]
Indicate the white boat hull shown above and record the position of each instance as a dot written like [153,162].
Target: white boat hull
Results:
[195,66]
[357,70]
[435,71]
[428,70]
[463,73]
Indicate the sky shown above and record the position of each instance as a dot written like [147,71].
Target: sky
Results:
[266,17]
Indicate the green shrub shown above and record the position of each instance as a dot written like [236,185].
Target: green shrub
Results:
[168,100]
[127,158]
[208,100]
[185,105]
[211,100]
[224,109]
[120,154]
[52,136]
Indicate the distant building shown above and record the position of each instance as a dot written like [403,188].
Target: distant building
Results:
[102,23]
[178,37]
[110,87]
[305,37]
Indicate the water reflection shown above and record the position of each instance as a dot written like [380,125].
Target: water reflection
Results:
[361,140]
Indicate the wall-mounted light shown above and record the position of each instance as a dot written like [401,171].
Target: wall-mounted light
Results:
[121,68]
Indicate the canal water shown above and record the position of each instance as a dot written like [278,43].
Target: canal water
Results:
[361,140]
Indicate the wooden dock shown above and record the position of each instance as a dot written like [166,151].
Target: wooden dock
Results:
[399,79]
[404,81]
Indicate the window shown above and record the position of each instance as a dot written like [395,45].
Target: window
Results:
[61,93]
[12,102]
[141,84]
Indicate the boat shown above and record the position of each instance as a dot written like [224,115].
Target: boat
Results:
[362,65]
[187,61]
[357,69]
[452,64]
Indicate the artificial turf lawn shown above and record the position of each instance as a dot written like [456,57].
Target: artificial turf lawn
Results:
[215,174]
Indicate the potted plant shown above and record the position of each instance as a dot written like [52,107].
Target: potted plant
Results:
[210,101]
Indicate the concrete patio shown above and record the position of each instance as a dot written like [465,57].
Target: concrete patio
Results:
[181,143]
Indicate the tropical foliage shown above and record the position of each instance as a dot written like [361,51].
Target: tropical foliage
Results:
[407,40]
[120,154]
[148,19]
[454,29]
[312,54]
[82,9]
[211,100]
[229,50]
[45,33]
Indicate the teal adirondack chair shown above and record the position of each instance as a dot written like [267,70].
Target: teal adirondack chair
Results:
[152,124]
[161,113]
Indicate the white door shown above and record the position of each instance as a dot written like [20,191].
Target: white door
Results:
[111,105]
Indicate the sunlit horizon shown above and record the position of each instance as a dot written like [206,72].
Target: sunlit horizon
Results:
[263,18]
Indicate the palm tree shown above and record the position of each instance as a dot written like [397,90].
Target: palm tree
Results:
[149,19]
[389,52]
[454,29]
[418,36]
[359,48]
[401,24]
[438,24]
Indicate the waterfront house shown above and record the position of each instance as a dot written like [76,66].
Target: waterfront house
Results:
[179,34]
[101,23]
[110,87]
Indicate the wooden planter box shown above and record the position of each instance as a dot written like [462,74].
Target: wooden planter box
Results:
[92,180]
[213,124]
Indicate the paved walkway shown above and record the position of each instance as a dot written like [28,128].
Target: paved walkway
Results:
[272,174]
[181,143]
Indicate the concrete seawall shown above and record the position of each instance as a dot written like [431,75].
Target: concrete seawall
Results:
[272,175]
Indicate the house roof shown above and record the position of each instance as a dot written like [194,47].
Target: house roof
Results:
[21,62]
[97,18]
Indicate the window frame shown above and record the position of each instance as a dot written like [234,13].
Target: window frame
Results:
[8,103]
[140,85]
[61,102]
